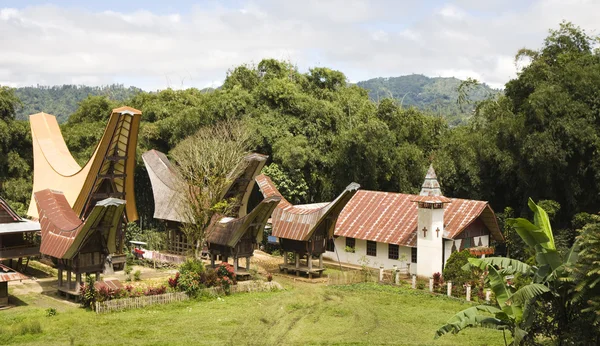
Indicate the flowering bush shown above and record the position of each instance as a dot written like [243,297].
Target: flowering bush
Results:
[190,283]
[225,276]
[90,295]
[153,291]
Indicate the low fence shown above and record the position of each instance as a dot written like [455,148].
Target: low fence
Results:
[164,257]
[138,302]
[351,277]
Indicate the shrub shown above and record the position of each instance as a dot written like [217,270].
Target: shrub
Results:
[153,291]
[453,271]
[192,265]
[137,275]
[128,269]
[276,253]
[225,276]
[50,312]
[88,293]
[209,278]
[174,281]
[190,283]
[421,284]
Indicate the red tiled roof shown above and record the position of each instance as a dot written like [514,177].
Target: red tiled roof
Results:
[112,284]
[299,222]
[392,217]
[63,232]
[9,274]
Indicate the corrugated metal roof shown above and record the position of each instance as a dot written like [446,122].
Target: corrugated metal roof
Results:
[63,233]
[9,274]
[298,223]
[11,222]
[392,217]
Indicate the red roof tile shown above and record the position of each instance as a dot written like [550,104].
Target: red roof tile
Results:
[299,222]
[392,217]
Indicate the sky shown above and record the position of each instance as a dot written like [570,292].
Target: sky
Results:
[181,44]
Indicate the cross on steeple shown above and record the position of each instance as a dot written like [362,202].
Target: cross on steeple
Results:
[424,231]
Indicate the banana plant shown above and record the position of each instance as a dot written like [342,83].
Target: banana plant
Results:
[514,309]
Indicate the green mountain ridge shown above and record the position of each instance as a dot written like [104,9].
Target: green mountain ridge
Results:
[63,100]
[434,95]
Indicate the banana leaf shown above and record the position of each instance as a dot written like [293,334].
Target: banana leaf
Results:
[470,317]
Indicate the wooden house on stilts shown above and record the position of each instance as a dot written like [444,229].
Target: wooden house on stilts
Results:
[237,238]
[168,203]
[77,246]
[304,229]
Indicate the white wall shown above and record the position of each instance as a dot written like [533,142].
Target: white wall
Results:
[429,254]
[382,253]
[360,252]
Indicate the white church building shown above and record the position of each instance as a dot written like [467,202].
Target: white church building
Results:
[416,233]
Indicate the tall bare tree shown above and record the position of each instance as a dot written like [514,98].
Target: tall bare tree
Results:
[207,162]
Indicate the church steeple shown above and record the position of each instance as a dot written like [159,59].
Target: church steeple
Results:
[431,187]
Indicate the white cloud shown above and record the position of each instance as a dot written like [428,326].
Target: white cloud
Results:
[451,11]
[195,47]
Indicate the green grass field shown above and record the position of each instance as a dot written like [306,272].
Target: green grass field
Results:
[363,314]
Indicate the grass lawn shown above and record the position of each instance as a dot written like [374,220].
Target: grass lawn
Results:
[362,314]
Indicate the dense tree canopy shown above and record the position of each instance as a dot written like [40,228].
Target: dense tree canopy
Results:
[539,139]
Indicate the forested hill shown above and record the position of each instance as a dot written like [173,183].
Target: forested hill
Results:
[63,100]
[434,95]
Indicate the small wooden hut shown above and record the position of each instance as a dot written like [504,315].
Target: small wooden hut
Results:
[77,247]
[7,274]
[237,238]
[304,229]
[16,237]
